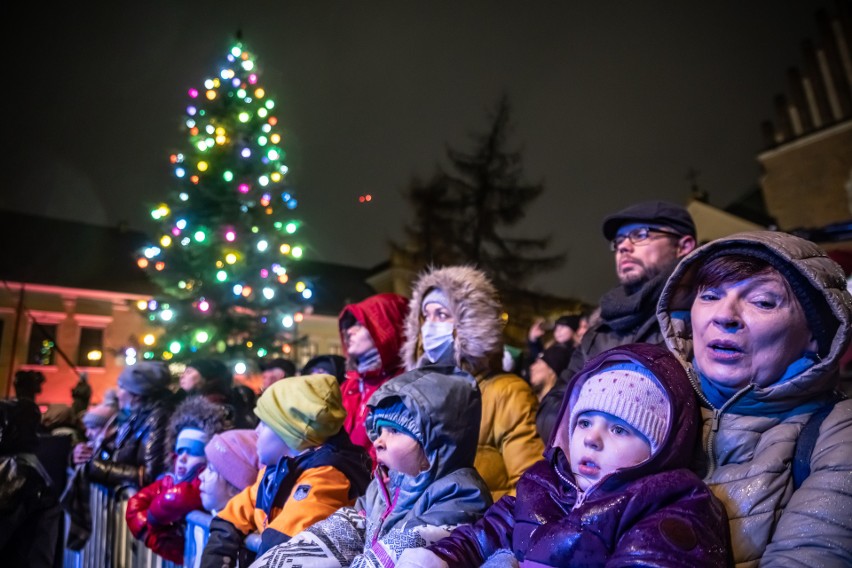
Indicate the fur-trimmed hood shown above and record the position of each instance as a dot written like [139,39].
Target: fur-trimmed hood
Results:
[476,308]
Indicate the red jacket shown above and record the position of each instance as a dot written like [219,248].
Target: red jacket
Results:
[156,513]
[384,316]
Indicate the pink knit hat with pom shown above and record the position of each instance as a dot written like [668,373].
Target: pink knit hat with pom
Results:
[233,454]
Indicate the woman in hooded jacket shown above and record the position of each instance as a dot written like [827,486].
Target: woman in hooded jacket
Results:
[760,321]
[454,321]
[371,333]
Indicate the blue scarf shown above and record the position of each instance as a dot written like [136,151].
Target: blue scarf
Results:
[750,403]
[369,361]
[277,477]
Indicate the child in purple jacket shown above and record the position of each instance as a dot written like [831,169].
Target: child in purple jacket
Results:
[614,488]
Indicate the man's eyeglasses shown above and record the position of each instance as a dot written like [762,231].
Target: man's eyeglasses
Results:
[638,236]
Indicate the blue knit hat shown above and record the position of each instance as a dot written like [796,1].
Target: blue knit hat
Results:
[395,416]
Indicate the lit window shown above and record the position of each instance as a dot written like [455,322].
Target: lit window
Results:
[91,350]
[42,347]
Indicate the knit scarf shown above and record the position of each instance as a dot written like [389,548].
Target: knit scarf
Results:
[369,361]
[625,311]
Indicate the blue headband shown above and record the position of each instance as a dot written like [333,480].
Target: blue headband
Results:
[191,440]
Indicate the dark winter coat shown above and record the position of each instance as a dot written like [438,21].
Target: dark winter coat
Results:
[750,440]
[140,453]
[383,316]
[548,410]
[657,513]
[624,319]
[29,507]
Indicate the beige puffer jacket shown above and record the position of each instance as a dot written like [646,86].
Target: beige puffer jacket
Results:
[508,440]
[749,452]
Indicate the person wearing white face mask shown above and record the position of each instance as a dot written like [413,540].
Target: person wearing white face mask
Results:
[454,321]
[437,330]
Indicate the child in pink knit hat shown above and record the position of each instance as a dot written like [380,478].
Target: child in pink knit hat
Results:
[231,467]
[615,487]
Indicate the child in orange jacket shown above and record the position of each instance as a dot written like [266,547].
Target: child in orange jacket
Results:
[312,469]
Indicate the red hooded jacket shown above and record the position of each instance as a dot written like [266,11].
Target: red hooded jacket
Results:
[384,316]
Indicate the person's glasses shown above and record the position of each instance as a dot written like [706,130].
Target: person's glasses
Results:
[638,236]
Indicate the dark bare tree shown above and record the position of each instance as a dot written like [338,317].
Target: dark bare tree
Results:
[463,215]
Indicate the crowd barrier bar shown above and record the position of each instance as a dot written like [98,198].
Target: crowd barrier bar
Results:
[112,545]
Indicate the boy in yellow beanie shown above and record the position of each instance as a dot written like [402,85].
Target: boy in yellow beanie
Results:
[311,469]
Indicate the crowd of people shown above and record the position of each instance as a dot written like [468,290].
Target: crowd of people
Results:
[697,417]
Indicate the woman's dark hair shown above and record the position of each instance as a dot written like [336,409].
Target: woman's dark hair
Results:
[28,383]
[724,269]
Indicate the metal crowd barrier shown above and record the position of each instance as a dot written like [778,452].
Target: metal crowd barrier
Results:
[112,545]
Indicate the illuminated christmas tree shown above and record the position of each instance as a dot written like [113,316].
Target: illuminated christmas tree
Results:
[227,238]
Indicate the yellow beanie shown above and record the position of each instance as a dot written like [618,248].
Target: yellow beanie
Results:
[304,411]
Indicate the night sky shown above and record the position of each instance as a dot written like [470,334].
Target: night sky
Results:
[613,103]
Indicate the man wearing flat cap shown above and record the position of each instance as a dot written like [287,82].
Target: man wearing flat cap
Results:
[648,239]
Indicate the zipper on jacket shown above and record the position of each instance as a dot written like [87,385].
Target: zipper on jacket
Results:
[716,420]
[391,505]
[709,444]
[581,495]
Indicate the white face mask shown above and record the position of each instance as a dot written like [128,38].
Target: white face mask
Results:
[437,340]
